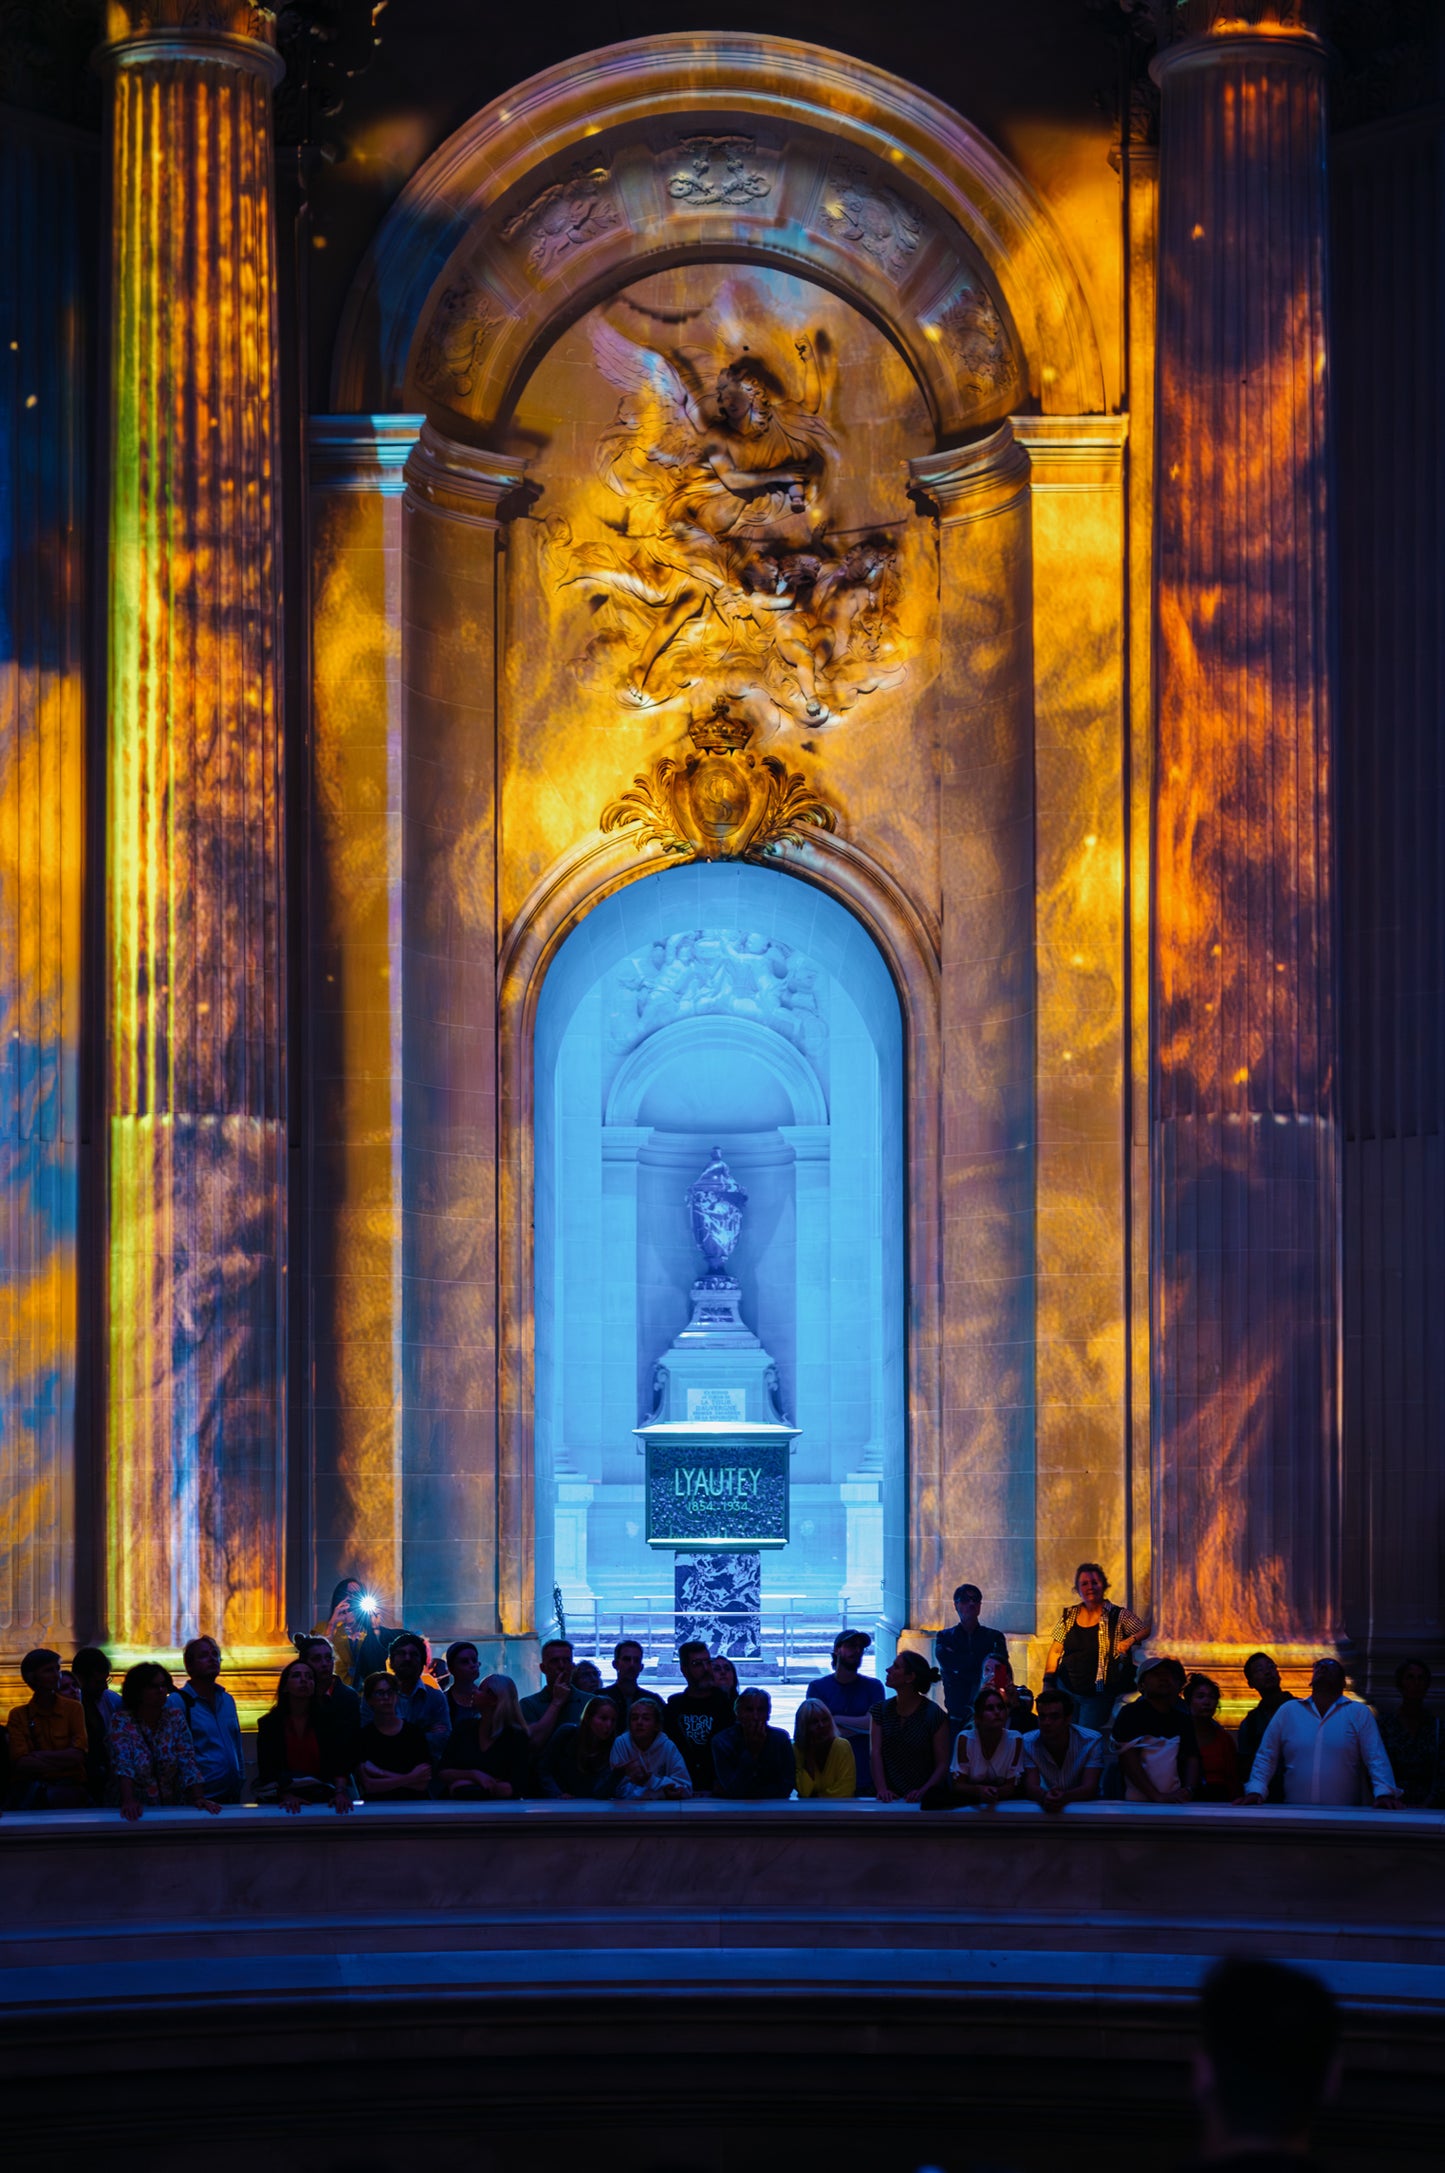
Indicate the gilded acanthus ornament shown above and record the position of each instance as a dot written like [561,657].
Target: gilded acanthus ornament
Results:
[720,801]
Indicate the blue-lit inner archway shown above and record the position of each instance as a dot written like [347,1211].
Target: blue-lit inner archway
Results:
[731,1005]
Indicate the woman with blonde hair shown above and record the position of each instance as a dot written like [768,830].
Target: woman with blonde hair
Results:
[825,1764]
[487,1753]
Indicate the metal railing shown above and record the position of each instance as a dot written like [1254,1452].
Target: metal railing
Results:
[792,1644]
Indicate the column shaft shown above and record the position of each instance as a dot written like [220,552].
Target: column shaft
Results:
[196,951]
[459,1567]
[974,1517]
[1243,1087]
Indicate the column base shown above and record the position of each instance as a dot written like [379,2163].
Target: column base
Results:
[1224,1664]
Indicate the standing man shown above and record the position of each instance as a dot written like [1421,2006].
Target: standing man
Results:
[425,1707]
[47,1739]
[214,1723]
[697,1714]
[1327,1745]
[1262,1676]
[627,1664]
[959,1655]
[850,1697]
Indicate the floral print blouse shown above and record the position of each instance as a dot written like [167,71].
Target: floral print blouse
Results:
[160,1762]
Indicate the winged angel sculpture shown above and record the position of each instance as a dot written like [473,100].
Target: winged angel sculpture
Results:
[720,574]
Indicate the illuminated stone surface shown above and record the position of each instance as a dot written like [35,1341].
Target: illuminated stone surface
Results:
[196,1457]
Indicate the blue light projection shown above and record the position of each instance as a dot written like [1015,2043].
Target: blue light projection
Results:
[736,1006]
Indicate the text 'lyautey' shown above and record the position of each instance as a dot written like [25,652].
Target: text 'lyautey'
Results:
[735,1481]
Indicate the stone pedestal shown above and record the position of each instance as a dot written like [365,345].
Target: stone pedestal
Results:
[1243,1083]
[196,1097]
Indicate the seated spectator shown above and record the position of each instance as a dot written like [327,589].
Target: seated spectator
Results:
[558,1703]
[850,1697]
[697,1714]
[462,1669]
[1219,1780]
[987,1766]
[1262,1676]
[648,1762]
[340,1700]
[487,1753]
[908,1749]
[1266,2066]
[303,1750]
[725,1675]
[998,1674]
[1413,1741]
[962,1651]
[417,1702]
[753,1762]
[577,1763]
[91,1669]
[823,1764]
[1328,1747]
[214,1723]
[1063,1763]
[392,1760]
[153,1759]
[587,1677]
[627,1666]
[47,1740]
[1155,1739]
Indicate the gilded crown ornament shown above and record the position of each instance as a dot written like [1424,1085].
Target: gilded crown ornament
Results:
[721,801]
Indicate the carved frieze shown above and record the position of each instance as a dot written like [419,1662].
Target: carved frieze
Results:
[871,219]
[577,209]
[735,973]
[974,338]
[463,326]
[720,801]
[710,170]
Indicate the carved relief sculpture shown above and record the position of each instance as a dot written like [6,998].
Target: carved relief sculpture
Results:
[461,328]
[716,170]
[575,209]
[719,802]
[974,337]
[875,221]
[721,577]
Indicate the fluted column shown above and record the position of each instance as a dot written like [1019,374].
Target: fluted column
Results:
[196,952]
[1245,1309]
[973,1517]
[467,1525]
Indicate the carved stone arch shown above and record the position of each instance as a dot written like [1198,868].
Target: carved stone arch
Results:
[579,882]
[641,1066]
[646,154]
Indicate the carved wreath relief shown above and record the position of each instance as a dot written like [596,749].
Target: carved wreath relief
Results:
[721,576]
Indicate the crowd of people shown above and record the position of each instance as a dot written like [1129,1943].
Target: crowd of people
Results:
[365,1710]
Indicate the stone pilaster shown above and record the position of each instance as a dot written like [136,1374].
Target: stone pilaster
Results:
[467,1538]
[196,942]
[973,1517]
[1243,1076]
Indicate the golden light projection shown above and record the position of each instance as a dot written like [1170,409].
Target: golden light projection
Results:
[196,1133]
[721,801]
[1246,1330]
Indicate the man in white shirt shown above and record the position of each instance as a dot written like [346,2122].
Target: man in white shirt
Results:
[1326,1744]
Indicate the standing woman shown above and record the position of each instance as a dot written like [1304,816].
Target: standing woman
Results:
[1089,1656]
[302,1754]
[909,1742]
[153,1760]
[824,1762]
